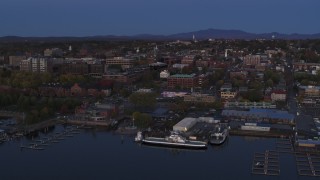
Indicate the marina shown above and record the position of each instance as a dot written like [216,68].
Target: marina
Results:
[308,164]
[109,151]
[40,144]
[266,163]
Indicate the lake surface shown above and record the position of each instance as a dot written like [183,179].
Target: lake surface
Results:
[98,154]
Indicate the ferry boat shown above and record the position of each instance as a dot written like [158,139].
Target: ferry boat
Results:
[219,135]
[174,140]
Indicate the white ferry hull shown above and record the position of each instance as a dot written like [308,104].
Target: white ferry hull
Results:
[162,142]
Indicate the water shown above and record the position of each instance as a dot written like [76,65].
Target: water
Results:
[104,155]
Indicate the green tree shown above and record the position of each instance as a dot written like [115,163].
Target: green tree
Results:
[142,120]
[143,99]
[269,83]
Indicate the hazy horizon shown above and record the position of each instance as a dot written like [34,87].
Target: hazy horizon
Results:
[43,18]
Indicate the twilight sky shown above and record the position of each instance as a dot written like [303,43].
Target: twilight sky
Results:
[129,17]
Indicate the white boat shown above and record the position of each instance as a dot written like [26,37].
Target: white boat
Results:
[139,137]
[219,135]
[174,140]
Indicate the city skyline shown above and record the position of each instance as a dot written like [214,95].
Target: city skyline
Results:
[125,17]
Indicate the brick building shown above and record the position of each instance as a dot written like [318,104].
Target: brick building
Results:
[182,81]
[252,59]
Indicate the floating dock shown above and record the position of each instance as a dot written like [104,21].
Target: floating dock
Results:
[284,146]
[266,163]
[308,164]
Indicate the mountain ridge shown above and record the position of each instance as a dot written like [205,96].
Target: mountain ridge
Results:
[199,35]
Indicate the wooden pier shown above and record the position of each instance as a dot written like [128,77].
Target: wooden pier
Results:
[308,164]
[39,144]
[284,146]
[266,163]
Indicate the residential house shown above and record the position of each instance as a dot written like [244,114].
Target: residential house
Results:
[278,95]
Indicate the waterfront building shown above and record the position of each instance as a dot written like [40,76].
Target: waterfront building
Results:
[185,124]
[248,105]
[259,115]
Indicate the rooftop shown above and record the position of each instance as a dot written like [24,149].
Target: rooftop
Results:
[183,75]
[262,113]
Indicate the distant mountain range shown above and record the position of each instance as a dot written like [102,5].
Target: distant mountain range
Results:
[199,35]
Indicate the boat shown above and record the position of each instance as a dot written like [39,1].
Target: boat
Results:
[139,137]
[219,135]
[174,140]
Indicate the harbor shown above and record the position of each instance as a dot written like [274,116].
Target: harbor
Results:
[109,151]
[266,163]
[40,144]
[308,164]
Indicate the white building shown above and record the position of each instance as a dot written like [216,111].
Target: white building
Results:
[164,74]
[185,124]
[40,64]
[180,66]
[278,95]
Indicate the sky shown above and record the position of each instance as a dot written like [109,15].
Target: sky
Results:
[130,17]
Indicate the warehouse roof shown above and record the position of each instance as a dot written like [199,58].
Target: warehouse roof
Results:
[186,122]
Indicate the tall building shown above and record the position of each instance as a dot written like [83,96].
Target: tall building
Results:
[15,60]
[25,65]
[41,64]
